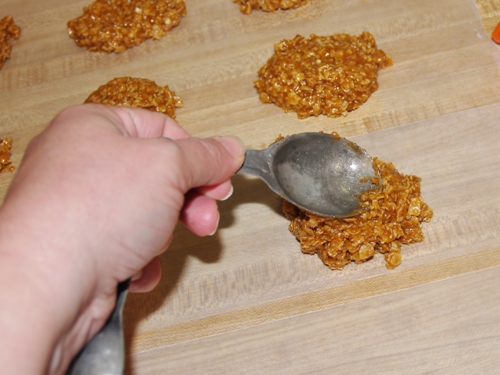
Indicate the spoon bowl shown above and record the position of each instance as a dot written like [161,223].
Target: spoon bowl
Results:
[318,172]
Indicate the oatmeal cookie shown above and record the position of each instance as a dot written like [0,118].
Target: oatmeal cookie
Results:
[117,25]
[137,92]
[329,75]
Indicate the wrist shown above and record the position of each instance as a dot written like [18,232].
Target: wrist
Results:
[27,322]
[41,299]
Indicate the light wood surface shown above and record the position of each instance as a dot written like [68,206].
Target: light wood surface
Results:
[247,301]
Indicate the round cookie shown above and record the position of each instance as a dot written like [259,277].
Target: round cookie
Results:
[117,25]
[329,75]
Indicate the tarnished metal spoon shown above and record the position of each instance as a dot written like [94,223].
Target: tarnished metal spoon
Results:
[318,172]
[105,353]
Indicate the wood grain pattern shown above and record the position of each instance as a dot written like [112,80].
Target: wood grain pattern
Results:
[247,300]
[429,329]
[490,14]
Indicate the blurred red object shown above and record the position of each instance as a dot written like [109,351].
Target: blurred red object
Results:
[496,34]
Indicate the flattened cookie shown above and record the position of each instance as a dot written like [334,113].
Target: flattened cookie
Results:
[246,6]
[8,30]
[329,75]
[116,25]
[137,92]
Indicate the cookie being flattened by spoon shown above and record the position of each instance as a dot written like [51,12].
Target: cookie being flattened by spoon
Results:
[137,92]
[390,218]
[117,25]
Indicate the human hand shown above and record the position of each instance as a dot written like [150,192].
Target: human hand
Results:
[98,195]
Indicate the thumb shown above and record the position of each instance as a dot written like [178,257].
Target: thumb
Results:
[208,161]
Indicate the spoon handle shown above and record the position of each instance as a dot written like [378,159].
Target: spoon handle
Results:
[255,163]
[258,163]
[105,352]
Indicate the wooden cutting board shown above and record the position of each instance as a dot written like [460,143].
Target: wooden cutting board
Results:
[247,300]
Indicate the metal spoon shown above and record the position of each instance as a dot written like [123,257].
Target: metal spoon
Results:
[318,172]
[105,353]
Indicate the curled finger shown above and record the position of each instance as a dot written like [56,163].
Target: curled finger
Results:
[200,214]
[147,279]
[219,192]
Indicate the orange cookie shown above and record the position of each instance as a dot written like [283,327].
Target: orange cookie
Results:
[8,30]
[246,6]
[391,217]
[5,146]
[116,25]
[329,75]
[137,92]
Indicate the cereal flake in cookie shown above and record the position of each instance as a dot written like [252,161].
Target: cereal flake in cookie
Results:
[117,25]
[329,75]
[137,92]
[246,6]
[8,30]
[391,217]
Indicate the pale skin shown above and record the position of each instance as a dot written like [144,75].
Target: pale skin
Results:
[94,202]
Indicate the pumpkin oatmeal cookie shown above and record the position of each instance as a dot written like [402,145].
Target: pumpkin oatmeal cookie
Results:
[117,25]
[5,147]
[137,92]
[391,218]
[329,75]
[8,30]
[246,6]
